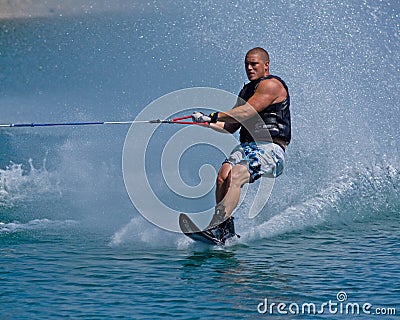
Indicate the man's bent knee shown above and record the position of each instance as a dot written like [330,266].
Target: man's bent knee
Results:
[240,175]
[224,173]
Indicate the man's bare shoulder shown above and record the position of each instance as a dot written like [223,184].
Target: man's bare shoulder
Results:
[270,84]
[272,87]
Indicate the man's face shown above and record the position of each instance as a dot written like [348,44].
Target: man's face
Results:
[256,68]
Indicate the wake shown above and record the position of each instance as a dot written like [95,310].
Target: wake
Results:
[365,195]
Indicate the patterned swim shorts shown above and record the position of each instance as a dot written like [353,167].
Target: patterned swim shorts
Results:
[261,159]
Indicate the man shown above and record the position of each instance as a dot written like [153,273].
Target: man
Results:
[262,114]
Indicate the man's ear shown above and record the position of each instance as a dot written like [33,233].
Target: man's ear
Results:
[266,66]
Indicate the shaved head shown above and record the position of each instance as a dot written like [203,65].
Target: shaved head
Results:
[262,53]
[256,63]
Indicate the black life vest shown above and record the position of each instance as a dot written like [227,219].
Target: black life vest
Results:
[273,121]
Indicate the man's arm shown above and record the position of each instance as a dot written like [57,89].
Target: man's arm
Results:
[224,127]
[268,92]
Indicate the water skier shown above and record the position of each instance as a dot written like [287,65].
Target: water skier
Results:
[262,114]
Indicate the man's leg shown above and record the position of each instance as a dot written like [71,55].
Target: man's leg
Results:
[223,181]
[239,176]
[228,191]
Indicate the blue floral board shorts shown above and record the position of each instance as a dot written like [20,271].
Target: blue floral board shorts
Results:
[261,159]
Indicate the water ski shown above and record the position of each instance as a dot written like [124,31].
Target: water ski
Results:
[214,236]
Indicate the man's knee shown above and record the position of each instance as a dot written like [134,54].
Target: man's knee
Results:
[224,173]
[240,175]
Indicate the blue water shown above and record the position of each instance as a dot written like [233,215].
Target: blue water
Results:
[78,274]
[73,246]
